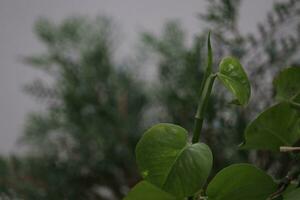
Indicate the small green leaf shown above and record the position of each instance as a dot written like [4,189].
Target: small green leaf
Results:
[241,182]
[234,78]
[292,195]
[277,126]
[287,83]
[167,160]
[146,191]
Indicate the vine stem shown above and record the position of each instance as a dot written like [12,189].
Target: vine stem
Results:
[285,182]
[289,149]
[199,117]
[205,91]
[295,105]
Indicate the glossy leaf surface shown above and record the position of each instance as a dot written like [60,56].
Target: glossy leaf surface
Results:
[234,78]
[277,126]
[146,191]
[167,160]
[287,83]
[241,181]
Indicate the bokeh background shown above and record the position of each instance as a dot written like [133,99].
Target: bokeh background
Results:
[81,80]
[17,39]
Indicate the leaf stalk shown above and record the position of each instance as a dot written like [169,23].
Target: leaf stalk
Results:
[202,106]
[205,91]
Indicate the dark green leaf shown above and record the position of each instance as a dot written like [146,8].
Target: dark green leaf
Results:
[146,191]
[234,78]
[275,127]
[167,160]
[241,182]
[293,195]
[291,187]
[287,83]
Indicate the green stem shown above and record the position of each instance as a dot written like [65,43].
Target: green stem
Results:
[295,105]
[199,117]
[285,182]
[205,91]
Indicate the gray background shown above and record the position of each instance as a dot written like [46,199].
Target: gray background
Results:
[17,39]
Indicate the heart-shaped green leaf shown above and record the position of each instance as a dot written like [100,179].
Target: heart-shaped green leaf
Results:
[167,160]
[234,78]
[287,83]
[292,195]
[241,182]
[275,127]
[146,191]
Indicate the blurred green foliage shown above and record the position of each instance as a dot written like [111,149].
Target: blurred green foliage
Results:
[84,138]
[81,146]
